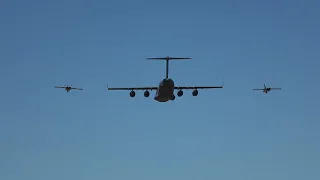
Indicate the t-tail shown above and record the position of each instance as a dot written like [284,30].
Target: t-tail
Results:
[167,62]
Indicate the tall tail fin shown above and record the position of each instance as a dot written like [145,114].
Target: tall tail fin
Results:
[167,62]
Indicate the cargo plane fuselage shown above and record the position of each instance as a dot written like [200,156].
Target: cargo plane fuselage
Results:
[166,87]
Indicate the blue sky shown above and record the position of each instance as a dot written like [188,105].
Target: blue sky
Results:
[226,134]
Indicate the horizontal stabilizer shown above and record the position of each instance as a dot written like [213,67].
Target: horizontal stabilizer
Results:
[168,58]
[167,62]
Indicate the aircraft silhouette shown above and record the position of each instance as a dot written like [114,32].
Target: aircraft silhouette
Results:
[166,87]
[67,88]
[267,89]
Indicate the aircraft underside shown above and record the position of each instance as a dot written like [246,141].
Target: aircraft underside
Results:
[165,91]
[164,95]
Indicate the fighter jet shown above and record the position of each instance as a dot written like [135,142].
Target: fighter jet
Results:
[67,88]
[267,89]
[166,87]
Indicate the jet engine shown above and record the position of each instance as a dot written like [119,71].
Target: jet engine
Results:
[195,92]
[132,94]
[180,93]
[146,94]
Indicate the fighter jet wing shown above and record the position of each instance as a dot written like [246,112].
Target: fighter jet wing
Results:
[197,87]
[77,88]
[134,88]
[59,87]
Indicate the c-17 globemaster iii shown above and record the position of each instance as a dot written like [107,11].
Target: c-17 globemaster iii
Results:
[266,89]
[166,87]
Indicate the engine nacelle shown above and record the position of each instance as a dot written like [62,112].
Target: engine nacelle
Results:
[146,94]
[195,92]
[180,93]
[132,94]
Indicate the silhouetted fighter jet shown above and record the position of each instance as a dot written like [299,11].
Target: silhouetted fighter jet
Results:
[267,89]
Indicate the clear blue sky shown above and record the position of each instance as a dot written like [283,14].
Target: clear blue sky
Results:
[226,134]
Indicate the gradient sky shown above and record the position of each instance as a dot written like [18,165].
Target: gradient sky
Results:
[225,134]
